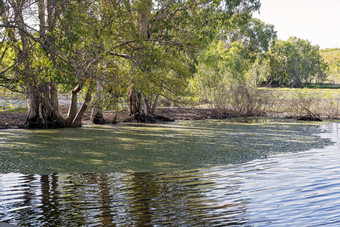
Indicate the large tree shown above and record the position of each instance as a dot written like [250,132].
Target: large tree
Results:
[233,59]
[295,62]
[167,36]
[80,45]
[54,46]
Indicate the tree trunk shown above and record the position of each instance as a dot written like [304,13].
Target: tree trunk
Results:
[152,104]
[77,119]
[72,111]
[98,109]
[43,110]
[137,106]
[97,115]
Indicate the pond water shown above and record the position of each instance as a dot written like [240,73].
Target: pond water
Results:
[270,172]
[13,100]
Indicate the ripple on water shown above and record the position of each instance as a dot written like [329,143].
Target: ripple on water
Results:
[285,189]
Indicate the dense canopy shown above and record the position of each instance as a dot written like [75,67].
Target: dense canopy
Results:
[135,52]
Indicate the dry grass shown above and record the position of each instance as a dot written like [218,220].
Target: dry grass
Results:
[308,104]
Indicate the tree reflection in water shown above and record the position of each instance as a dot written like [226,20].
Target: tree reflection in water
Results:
[190,197]
[284,189]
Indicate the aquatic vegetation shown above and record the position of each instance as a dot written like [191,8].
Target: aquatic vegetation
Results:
[154,147]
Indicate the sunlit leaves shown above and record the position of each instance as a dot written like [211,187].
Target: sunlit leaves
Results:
[295,62]
[332,58]
[154,43]
[219,68]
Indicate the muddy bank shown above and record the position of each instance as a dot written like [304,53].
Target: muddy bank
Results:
[12,120]
[17,120]
[9,120]
[162,114]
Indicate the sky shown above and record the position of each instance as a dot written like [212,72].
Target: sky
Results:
[315,20]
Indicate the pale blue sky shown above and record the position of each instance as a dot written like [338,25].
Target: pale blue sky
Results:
[315,20]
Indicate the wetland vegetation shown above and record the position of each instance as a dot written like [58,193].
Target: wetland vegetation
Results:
[152,148]
[248,172]
[71,70]
[213,54]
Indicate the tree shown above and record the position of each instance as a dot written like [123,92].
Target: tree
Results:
[332,58]
[295,62]
[255,36]
[55,52]
[75,45]
[233,59]
[219,69]
[167,34]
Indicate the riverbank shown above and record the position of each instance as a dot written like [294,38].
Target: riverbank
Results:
[306,103]
[15,120]
[12,120]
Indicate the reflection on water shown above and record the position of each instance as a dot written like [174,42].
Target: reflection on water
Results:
[136,199]
[286,189]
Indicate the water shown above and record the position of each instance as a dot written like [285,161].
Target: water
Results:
[12,100]
[151,148]
[295,188]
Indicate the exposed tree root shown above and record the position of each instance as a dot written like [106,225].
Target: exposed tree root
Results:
[309,118]
[146,118]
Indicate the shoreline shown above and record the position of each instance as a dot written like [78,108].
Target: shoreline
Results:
[15,120]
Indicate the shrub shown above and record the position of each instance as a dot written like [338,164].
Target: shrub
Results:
[243,100]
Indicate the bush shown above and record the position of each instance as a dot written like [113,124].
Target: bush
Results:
[307,106]
[243,100]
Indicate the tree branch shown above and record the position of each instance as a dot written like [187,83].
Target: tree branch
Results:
[126,56]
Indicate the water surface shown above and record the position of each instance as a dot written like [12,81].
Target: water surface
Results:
[284,186]
[152,148]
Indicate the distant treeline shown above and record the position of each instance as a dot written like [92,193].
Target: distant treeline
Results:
[332,58]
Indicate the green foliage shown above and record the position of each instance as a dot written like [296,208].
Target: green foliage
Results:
[255,36]
[219,69]
[7,60]
[332,58]
[160,40]
[229,69]
[294,63]
[151,45]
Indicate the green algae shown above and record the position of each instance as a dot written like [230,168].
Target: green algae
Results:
[153,147]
